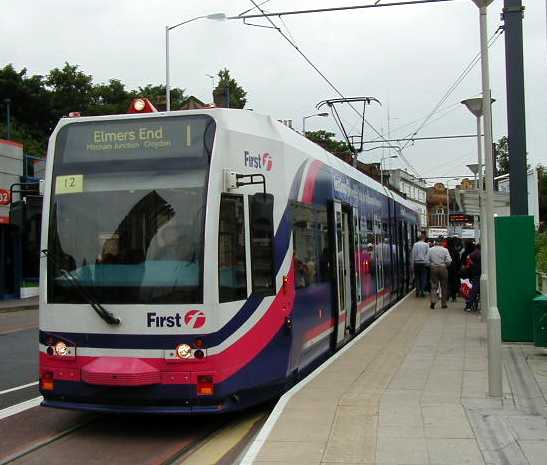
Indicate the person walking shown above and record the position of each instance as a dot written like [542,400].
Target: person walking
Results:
[420,262]
[439,260]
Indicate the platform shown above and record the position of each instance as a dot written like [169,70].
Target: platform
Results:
[13,305]
[413,391]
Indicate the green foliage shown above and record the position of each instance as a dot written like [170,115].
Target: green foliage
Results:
[156,94]
[236,92]
[502,148]
[502,158]
[70,90]
[38,102]
[541,252]
[326,140]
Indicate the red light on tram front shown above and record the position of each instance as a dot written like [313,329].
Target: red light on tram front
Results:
[46,381]
[205,385]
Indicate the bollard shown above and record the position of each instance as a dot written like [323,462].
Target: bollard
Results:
[495,365]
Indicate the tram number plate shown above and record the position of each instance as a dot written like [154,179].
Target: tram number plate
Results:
[69,184]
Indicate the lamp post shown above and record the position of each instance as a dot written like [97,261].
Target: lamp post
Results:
[7,101]
[310,116]
[394,147]
[381,167]
[212,78]
[213,16]
[495,380]
[474,105]
[474,168]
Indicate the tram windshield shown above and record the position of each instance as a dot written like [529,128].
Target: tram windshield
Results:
[128,208]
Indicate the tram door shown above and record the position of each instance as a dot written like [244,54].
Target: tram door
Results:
[379,262]
[343,272]
[357,257]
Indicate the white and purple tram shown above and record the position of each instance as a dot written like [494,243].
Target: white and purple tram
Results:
[202,261]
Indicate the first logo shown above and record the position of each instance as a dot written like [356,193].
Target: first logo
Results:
[195,319]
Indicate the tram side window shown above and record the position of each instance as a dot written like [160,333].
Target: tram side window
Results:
[311,247]
[232,273]
[262,247]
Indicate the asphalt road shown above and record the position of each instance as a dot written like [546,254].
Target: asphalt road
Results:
[18,356]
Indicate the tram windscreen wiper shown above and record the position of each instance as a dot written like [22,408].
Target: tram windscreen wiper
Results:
[106,315]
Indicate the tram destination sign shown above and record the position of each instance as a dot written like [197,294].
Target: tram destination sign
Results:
[131,139]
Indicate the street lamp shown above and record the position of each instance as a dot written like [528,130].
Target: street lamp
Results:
[394,147]
[214,17]
[381,167]
[474,105]
[310,116]
[495,380]
[212,77]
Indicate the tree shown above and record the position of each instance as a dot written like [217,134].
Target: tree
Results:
[109,99]
[502,155]
[71,90]
[227,85]
[156,94]
[326,140]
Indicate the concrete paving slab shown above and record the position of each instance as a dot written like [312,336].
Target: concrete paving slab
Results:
[534,451]
[446,421]
[401,450]
[414,391]
[286,451]
[527,427]
[454,452]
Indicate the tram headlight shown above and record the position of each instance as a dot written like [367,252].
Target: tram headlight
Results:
[184,351]
[61,349]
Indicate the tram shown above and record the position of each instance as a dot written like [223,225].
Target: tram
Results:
[202,261]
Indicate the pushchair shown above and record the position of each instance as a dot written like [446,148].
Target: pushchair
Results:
[471,292]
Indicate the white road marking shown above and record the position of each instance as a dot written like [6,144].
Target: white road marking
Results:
[18,408]
[262,436]
[17,388]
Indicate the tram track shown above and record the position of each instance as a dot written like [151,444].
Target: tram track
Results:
[127,439]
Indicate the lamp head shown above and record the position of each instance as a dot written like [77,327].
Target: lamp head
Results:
[474,105]
[473,167]
[322,114]
[482,3]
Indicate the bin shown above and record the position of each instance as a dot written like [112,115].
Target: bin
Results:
[539,319]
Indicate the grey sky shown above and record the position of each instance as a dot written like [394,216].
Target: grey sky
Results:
[406,56]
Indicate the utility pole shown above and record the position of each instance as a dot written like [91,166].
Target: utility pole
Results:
[513,13]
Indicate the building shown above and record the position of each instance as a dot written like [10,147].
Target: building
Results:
[442,205]
[414,189]
[11,170]
[20,220]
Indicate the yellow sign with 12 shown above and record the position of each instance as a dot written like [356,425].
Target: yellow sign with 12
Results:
[69,184]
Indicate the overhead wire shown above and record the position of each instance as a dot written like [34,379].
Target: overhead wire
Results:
[454,86]
[327,80]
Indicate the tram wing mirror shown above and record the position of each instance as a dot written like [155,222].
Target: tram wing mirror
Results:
[262,208]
